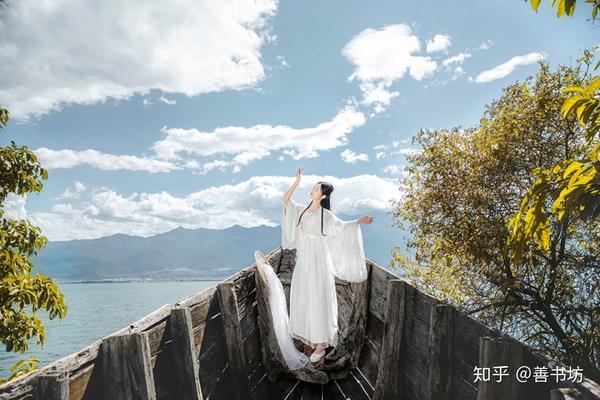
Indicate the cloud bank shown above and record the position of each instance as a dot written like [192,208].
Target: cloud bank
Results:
[253,202]
[85,52]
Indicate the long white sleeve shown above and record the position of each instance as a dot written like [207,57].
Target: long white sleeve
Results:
[346,249]
[289,218]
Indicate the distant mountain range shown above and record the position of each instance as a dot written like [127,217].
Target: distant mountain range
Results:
[182,253]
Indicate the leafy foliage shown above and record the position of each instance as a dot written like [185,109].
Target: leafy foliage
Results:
[3,117]
[567,7]
[22,294]
[570,187]
[464,187]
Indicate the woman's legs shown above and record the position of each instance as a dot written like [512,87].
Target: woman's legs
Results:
[318,354]
[319,348]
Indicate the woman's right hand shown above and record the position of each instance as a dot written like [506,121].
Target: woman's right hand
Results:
[298,174]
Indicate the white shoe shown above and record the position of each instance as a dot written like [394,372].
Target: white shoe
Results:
[314,357]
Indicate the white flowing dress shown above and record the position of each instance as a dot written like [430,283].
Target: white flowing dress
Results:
[313,316]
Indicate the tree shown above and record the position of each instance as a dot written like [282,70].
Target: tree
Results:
[567,7]
[460,193]
[571,187]
[22,295]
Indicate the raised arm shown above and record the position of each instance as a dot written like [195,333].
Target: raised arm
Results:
[288,195]
[365,219]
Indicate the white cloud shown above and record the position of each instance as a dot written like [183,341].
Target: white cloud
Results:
[486,45]
[438,43]
[253,202]
[207,166]
[405,151]
[167,101]
[14,206]
[71,193]
[453,65]
[348,156]
[85,52]
[508,67]
[394,148]
[394,169]
[458,71]
[457,59]
[178,148]
[79,187]
[382,57]
[67,158]
[378,95]
[283,61]
[247,144]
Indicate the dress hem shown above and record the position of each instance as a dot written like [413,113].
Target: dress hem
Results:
[325,344]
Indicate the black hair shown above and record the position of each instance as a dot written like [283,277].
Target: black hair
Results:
[326,189]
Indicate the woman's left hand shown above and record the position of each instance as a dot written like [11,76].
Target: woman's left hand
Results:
[366,219]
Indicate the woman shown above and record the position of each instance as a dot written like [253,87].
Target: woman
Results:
[325,246]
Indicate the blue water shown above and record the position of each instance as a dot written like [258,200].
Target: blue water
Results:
[96,310]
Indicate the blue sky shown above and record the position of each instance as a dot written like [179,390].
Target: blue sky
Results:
[149,115]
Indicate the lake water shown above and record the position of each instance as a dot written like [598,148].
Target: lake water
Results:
[96,310]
